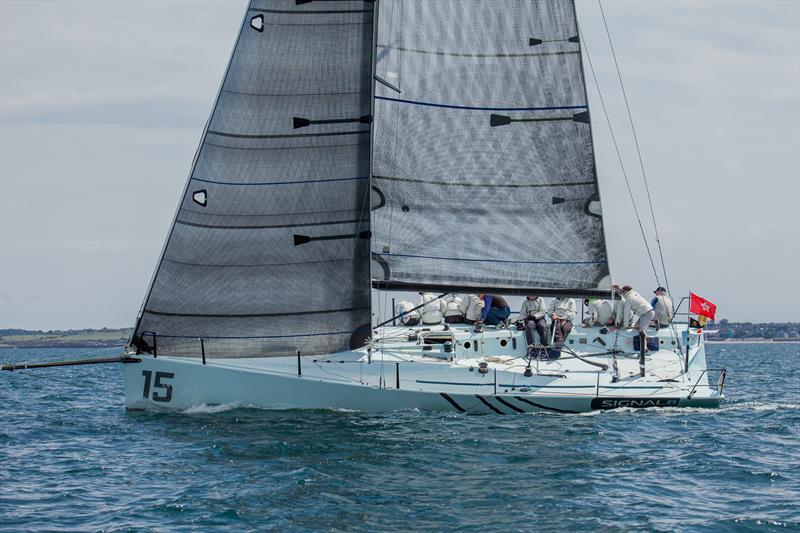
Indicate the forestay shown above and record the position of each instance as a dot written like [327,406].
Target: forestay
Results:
[484,173]
[269,253]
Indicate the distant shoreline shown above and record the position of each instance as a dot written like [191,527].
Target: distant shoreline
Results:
[118,337]
[68,339]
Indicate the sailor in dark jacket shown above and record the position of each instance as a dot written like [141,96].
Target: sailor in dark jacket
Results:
[495,309]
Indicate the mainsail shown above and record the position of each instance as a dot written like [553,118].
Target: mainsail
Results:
[269,253]
[483,168]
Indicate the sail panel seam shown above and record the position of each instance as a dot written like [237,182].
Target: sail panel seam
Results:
[264,265]
[281,147]
[309,12]
[280,182]
[498,260]
[471,108]
[275,226]
[206,337]
[458,54]
[294,94]
[486,185]
[254,315]
[286,135]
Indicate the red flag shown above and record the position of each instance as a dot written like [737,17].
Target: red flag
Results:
[701,306]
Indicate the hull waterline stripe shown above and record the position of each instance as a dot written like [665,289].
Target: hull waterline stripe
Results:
[490,406]
[509,405]
[540,406]
[471,108]
[452,402]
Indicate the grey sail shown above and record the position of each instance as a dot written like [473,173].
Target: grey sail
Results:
[269,250]
[483,168]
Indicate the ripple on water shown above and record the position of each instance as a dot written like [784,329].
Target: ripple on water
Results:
[73,460]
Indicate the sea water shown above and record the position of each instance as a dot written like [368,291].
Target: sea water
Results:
[72,459]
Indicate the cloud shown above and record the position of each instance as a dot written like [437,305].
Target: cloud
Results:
[102,105]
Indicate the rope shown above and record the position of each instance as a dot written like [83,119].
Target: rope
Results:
[638,150]
[619,157]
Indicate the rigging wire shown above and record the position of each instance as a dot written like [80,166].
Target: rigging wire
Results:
[619,156]
[638,150]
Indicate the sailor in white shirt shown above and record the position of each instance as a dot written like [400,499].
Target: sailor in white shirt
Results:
[562,313]
[662,306]
[472,307]
[433,309]
[404,311]
[636,305]
[620,316]
[599,312]
[534,313]
[453,315]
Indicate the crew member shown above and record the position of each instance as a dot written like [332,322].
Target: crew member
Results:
[495,309]
[405,313]
[453,314]
[642,308]
[433,309]
[472,307]
[621,317]
[662,306]
[599,312]
[534,313]
[562,313]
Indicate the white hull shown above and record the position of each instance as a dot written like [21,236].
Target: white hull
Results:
[432,379]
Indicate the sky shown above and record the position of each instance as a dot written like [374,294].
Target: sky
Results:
[102,105]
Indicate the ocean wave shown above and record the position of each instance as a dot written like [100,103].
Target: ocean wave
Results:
[213,408]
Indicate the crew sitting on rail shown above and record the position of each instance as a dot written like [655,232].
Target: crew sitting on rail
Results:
[598,312]
[405,313]
[433,309]
[641,308]
[534,313]
[471,307]
[453,314]
[662,306]
[562,313]
[495,310]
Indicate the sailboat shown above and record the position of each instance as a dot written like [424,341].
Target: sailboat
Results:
[395,145]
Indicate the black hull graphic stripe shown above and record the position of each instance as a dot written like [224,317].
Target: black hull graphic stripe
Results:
[452,402]
[540,406]
[509,405]
[490,406]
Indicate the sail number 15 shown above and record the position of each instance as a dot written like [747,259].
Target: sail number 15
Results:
[159,384]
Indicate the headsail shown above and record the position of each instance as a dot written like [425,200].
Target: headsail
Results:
[268,253]
[484,172]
